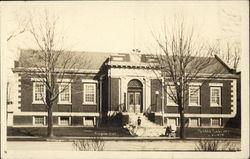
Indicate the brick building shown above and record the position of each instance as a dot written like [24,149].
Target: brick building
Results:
[123,84]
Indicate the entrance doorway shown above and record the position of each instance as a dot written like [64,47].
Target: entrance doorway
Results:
[134,96]
[134,102]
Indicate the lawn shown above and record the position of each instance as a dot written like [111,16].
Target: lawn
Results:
[69,131]
[119,132]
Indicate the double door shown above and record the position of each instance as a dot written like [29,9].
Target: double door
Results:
[134,102]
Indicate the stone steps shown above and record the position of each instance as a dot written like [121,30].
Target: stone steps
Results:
[147,128]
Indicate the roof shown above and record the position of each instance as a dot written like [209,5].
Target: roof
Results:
[95,60]
[86,60]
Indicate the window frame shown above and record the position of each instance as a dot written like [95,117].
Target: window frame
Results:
[84,93]
[199,96]
[214,126]
[60,93]
[215,104]
[44,121]
[59,121]
[173,118]
[198,122]
[172,103]
[34,92]
[93,119]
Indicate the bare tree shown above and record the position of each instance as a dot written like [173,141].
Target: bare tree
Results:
[182,57]
[51,63]
[229,44]
[230,53]
[22,24]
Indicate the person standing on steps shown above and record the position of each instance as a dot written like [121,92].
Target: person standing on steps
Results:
[139,121]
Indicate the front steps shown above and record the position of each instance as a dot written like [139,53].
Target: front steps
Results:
[146,129]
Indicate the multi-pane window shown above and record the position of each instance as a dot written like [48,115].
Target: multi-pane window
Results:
[39,120]
[64,120]
[88,121]
[38,92]
[172,121]
[194,122]
[215,95]
[194,96]
[171,95]
[64,93]
[89,93]
[215,122]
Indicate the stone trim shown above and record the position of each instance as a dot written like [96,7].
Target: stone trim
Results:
[56,114]
[18,93]
[197,115]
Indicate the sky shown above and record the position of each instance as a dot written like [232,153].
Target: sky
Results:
[120,26]
[109,26]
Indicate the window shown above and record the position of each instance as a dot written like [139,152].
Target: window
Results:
[89,93]
[172,121]
[64,93]
[215,96]
[194,96]
[194,122]
[39,120]
[88,121]
[216,122]
[171,92]
[38,92]
[64,120]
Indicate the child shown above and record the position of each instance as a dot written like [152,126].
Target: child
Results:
[139,121]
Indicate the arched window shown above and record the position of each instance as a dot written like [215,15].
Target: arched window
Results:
[135,84]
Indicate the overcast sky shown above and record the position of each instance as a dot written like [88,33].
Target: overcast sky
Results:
[121,26]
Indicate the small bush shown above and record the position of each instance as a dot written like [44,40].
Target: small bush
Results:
[229,146]
[93,144]
[215,145]
[207,145]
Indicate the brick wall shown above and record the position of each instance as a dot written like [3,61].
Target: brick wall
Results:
[156,85]
[205,100]
[114,94]
[23,120]
[76,98]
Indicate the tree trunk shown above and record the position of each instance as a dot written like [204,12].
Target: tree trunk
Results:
[50,122]
[182,125]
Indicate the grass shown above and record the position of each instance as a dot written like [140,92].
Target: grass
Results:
[119,132]
[69,131]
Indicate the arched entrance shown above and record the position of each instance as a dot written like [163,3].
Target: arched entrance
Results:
[135,96]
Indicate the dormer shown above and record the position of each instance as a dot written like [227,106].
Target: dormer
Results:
[149,58]
[120,57]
